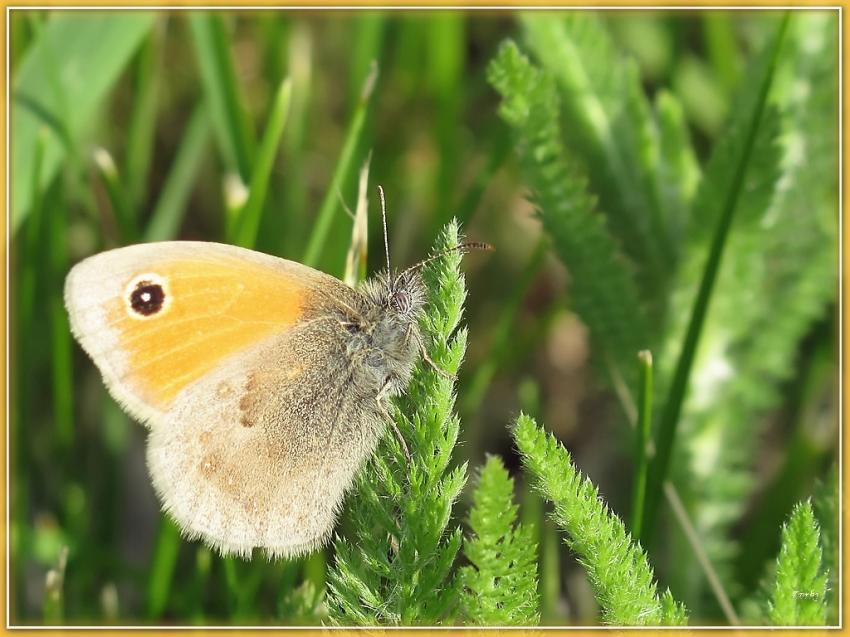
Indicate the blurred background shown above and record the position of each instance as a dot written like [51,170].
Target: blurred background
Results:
[137,126]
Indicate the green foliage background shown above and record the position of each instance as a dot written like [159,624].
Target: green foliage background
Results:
[607,156]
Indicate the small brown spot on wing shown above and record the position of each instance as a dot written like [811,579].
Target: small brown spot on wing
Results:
[210,464]
[250,405]
[247,406]
[224,389]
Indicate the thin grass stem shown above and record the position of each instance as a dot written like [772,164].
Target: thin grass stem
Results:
[666,435]
[330,204]
[641,437]
[247,223]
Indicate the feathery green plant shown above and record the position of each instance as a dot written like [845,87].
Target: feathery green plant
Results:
[394,566]
[777,278]
[500,586]
[604,291]
[735,156]
[799,592]
[643,185]
[826,507]
[617,567]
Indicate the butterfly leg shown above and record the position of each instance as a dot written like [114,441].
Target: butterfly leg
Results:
[427,358]
[388,418]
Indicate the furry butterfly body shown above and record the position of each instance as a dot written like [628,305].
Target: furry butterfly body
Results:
[264,382]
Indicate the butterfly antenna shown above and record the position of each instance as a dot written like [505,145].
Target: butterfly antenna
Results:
[463,248]
[384,218]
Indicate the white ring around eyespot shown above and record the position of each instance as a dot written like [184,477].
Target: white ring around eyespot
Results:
[155,279]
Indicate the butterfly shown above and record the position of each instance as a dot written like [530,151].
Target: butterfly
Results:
[263,382]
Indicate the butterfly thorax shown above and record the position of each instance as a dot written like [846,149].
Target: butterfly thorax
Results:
[385,338]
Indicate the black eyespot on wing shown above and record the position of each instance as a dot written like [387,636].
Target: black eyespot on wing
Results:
[147,298]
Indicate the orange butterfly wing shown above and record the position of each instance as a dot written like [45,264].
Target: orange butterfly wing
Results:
[219,300]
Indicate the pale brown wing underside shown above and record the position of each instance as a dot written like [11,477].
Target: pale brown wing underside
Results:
[266,463]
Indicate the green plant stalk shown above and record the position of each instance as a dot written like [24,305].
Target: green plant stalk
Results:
[117,194]
[231,124]
[171,205]
[444,72]
[644,425]
[248,220]
[201,575]
[673,407]
[162,567]
[722,48]
[140,133]
[343,168]
[682,518]
[546,537]
[60,330]
[20,410]
[29,275]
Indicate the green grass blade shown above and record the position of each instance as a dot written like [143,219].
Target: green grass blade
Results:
[368,29]
[444,73]
[61,343]
[230,121]
[247,222]
[358,249]
[117,196]
[171,205]
[642,430]
[666,434]
[141,131]
[162,568]
[343,169]
[87,52]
